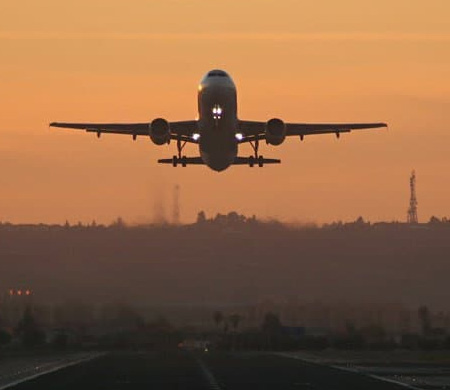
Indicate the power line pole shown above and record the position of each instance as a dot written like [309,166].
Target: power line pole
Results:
[412,210]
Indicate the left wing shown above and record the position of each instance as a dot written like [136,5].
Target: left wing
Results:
[178,130]
[256,130]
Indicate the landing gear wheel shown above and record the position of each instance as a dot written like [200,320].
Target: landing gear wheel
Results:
[174,161]
[260,161]
[183,161]
[251,161]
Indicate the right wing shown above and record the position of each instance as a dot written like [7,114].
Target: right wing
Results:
[325,128]
[178,130]
[256,130]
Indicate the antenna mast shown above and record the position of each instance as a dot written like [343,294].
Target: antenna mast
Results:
[412,211]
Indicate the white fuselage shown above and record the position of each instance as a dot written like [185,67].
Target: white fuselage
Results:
[217,109]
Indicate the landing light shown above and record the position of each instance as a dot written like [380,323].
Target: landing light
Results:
[239,136]
[217,111]
[196,136]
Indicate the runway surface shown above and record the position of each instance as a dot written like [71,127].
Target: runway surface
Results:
[185,370]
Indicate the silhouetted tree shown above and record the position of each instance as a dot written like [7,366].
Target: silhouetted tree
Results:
[425,320]
[201,217]
[28,330]
[360,222]
[5,337]
[119,223]
[272,329]
[218,318]
[233,217]
[271,324]
[434,220]
[235,319]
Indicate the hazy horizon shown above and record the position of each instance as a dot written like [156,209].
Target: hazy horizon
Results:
[166,219]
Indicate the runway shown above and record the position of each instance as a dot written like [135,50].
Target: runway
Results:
[211,371]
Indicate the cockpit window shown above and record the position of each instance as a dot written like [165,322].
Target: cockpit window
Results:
[218,73]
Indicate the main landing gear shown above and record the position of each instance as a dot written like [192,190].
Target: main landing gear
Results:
[256,159]
[252,161]
[179,159]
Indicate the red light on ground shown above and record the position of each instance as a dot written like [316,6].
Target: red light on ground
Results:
[11,292]
[27,292]
[19,292]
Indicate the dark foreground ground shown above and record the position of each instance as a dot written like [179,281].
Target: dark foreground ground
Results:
[183,370]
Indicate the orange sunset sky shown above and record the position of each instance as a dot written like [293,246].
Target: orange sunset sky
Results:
[124,61]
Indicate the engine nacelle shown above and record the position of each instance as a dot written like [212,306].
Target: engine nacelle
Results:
[159,131]
[275,131]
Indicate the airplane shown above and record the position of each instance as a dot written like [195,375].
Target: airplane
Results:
[218,131]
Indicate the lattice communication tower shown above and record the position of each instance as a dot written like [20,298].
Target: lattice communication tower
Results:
[412,210]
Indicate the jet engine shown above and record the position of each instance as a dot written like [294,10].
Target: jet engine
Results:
[159,131]
[275,131]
